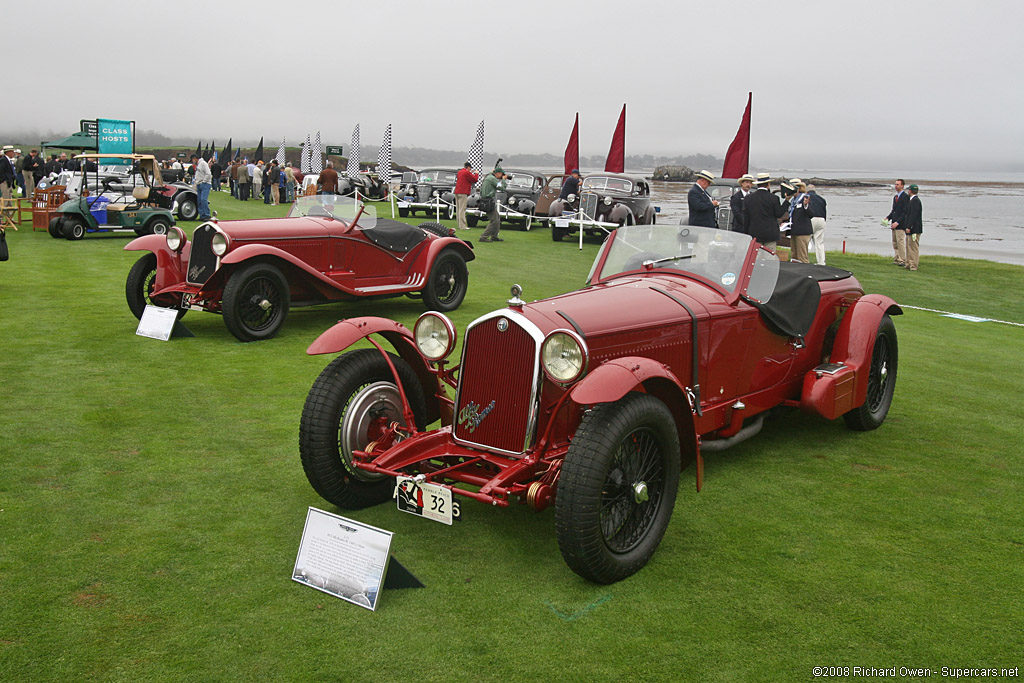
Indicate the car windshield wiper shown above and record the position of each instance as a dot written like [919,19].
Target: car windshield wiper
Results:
[651,264]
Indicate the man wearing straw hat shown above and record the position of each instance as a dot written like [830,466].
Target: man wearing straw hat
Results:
[702,206]
[736,202]
[7,175]
[761,213]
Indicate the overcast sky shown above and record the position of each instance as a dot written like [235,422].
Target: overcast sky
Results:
[865,85]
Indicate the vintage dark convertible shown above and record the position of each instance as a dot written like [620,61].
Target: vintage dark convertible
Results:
[683,341]
[328,249]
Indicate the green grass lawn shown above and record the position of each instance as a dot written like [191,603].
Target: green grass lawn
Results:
[152,501]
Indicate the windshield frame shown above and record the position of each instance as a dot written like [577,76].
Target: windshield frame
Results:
[745,262]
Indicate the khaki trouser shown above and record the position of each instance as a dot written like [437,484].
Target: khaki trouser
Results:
[275,193]
[30,183]
[899,246]
[494,224]
[460,210]
[799,251]
[5,193]
[818,225]
[913,251]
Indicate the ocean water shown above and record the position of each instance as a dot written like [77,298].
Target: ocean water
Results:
[969,219]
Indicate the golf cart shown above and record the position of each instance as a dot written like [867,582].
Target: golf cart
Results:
[145,209]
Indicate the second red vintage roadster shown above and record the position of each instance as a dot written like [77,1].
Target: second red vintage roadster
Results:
[680,344]
[327,249]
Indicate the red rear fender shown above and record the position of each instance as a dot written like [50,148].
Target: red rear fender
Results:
[348,332]
[855,339]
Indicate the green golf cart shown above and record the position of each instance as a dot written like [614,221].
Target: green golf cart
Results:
[137,201]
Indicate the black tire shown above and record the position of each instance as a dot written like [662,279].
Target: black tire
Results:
[436,228]
[607,525]
[188,209]
[256,301]
[55,228]
[157,226]
[472,220]
[881,380]
[447,283]
[337,409]
[74,228]
[403,213]
[558,233]
[139,285]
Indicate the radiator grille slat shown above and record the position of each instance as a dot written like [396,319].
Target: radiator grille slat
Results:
[499,367]
[202,262]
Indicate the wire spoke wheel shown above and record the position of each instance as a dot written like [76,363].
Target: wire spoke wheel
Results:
[881,380]
[256,302]
[632,491]
[447,283]
[617,487]
[260,304]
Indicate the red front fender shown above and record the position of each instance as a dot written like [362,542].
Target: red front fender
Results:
[348,332]
[855,340]
[616,378]
[170,266]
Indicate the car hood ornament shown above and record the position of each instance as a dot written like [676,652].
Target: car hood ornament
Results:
[515,301]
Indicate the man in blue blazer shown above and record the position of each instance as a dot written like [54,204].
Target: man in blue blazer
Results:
[702,206]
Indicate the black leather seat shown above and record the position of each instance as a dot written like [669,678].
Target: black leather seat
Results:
[395,235]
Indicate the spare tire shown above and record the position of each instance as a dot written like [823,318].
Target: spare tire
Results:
[437,229]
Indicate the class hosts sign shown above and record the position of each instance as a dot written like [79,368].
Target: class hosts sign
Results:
[114,137]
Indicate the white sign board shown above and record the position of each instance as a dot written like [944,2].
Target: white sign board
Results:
[342,557]
[157,323]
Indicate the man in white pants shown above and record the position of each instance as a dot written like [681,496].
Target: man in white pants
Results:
[819,212]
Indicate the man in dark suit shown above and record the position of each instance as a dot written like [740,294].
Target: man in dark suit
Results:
[761,213]
[702,206]
[736,202]
[900,204]
[912,227]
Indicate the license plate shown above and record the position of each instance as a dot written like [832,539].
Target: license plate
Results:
[403,205]
[561,222]
[426,500]
[186,301]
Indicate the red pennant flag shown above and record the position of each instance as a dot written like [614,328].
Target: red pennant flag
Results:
[572,150]
[737,159]
[617,153]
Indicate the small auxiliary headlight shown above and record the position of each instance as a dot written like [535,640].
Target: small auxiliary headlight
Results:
[176,239]
[220,244]
[570,198]
[435,335]
[564,356]
[608,201]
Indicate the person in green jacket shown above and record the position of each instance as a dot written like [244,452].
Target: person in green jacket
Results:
[493,181]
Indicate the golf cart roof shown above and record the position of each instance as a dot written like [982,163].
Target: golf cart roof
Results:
[134,157]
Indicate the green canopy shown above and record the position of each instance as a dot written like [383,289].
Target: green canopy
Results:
[79,140]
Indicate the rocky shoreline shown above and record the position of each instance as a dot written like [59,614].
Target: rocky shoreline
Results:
[684,174]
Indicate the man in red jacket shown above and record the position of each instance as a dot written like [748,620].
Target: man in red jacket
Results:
[464,182]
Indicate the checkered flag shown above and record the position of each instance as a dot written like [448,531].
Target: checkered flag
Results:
[476,152]
[384,159]
[316,162]
[305,156]
[353,154]
[280,153]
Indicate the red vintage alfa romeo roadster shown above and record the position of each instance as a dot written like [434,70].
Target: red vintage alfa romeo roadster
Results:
[680,343]
[327,249]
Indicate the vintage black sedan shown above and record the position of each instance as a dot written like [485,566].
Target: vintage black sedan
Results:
[431,191]
[606,201]
[517,203]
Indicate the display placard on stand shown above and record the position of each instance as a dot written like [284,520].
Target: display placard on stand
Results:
[342,557]
[157,322]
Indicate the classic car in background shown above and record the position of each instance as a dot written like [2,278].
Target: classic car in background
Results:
[683,341]
[142,207]
[606,201]
[431,191]
[522,200]
[327,249]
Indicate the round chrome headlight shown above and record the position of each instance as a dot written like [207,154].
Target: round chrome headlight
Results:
[220,244]
[564,356]
[512,201]
[176,239]
[435,336]
[436,193]
[570,198]
[608,201]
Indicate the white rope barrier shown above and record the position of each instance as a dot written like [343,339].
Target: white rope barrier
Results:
[961,315]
